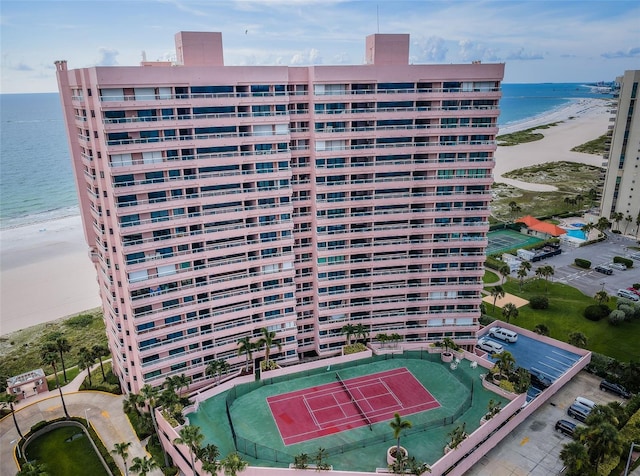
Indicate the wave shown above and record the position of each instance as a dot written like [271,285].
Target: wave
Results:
[40,217]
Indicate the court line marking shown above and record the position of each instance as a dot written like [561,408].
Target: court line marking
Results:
[306,404]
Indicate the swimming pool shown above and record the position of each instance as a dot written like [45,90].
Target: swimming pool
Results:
[576,234]
[577,225]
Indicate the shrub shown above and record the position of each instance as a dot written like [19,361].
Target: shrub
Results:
[582,263]
[627,309]
[506,385]
[596,312]
[78,322]
[493,263]
[539,302]
[635,285]
[599,364]
[616,317]
[39,425]
[625,261]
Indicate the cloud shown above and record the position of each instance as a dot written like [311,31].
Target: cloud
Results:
[22,67]
[630,53]
[471,51]
[311,56]
[182,6]
[107,57]
[341,58]
[430,49]
[524,56]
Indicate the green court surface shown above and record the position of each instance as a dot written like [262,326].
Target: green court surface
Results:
[459,392]
[504,240]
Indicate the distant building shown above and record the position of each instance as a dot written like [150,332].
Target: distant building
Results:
[27,384]
[219,200]
[621,192]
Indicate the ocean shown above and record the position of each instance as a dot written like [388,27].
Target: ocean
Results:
[36,178]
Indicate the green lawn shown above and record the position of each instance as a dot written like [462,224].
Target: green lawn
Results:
[490,277]
[565,315]
[65,451]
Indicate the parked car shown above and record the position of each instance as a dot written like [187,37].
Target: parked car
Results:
[586,402]
[539,380]
[503,334]
[628,295]
[635,256]
[603,270]
[567,427]
[614,388]
[618,266]
[634,291]
[489,346]
[578,411]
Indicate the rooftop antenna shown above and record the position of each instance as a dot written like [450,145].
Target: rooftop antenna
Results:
[378,16]
[144,55]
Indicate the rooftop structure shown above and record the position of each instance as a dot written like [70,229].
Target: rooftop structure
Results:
[220,200]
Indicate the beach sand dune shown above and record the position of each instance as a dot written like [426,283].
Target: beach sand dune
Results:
[46,274]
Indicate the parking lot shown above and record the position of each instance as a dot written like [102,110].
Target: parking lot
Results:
[533,448]
[590,281]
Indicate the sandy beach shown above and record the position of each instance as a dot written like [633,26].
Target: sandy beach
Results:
[46,274]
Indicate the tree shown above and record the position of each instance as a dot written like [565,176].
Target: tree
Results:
[348,330]
[122,450]
[575,458]
[617,217]
[417,468]
[100,351]
[86,358]
[523,271]
[448,344]
[602,439]
[602,224]
[586,229]
[33,469]
[541,329]
[192,438]
[505,362]
[510,310]
[233,463]
[208,455]
[637,224]
[320,459]
[143,465]
[150,395]
[601,297]
[217,367]
[457,436]
[578,339]
[245,346]
[496,292]
[49,356]
[132,403]
[267,340]
[504,270]
[361,332]
[62,346]
[397,425]
[545,272]
[6,399]
[628,219]
[177,383]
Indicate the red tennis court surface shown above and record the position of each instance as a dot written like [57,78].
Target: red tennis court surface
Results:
[331,408]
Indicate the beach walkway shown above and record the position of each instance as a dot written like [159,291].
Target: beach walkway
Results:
[103,410]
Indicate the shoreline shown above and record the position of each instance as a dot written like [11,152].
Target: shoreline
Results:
[46,273]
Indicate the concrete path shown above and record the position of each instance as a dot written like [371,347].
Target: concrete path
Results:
[103,410]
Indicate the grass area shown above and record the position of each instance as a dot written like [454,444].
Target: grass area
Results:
[521,137]
[65,451]
[110,384]
[71,374]
[20,350]
[571,179]
[565,315]
[490,277]
[596,146]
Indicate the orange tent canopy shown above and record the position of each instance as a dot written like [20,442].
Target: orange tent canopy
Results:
[541,226]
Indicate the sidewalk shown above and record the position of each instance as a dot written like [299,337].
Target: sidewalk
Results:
[103,410]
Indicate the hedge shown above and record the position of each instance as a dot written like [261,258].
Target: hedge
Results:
[582,263]
[625,261]
[596,312]
[539,302]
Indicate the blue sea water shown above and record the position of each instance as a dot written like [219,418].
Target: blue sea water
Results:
[36,178]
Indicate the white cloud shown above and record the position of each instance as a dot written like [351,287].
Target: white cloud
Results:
[521,54]
[311,56]
[472,51]
[107,57]
[432,49]
[630,53]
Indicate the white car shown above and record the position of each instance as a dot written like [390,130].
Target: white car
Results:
[489,346]
[618,266]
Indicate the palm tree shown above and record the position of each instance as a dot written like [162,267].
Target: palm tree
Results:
[637,224]
[417,468]
[602,224]
[602,440]
[541,329]
[208,455]
[49,356]
[191,437]
[223,368]
[586,229]
[86,358]
[212,368]
[122,450]
[361,331]
[63,346]
[177,383]
[150,395]
[505,362]
[522,273]
[629,220]
[601,297]
[578,339]
[348,330]
[267,340]
[132,403]
[504,271]
[143,465]
[510,310]
[233,463]
[496,292]
[245,346]
[545,272]
[448,344]
[575,458]
[9,399]
[100,351]
[617,217]
[397,425]
[320,458]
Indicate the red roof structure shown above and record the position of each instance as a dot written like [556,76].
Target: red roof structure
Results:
[541,226]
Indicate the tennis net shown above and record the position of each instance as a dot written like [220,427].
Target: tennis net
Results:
[354,401]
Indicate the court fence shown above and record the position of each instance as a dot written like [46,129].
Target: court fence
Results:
[265,453]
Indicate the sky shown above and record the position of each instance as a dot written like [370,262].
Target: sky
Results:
[538,40]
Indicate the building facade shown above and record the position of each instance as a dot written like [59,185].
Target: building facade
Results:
[621,194]
[220,200]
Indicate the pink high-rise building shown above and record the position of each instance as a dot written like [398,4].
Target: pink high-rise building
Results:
[219,200]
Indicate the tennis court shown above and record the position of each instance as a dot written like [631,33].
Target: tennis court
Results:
[504,240]
[347,404]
